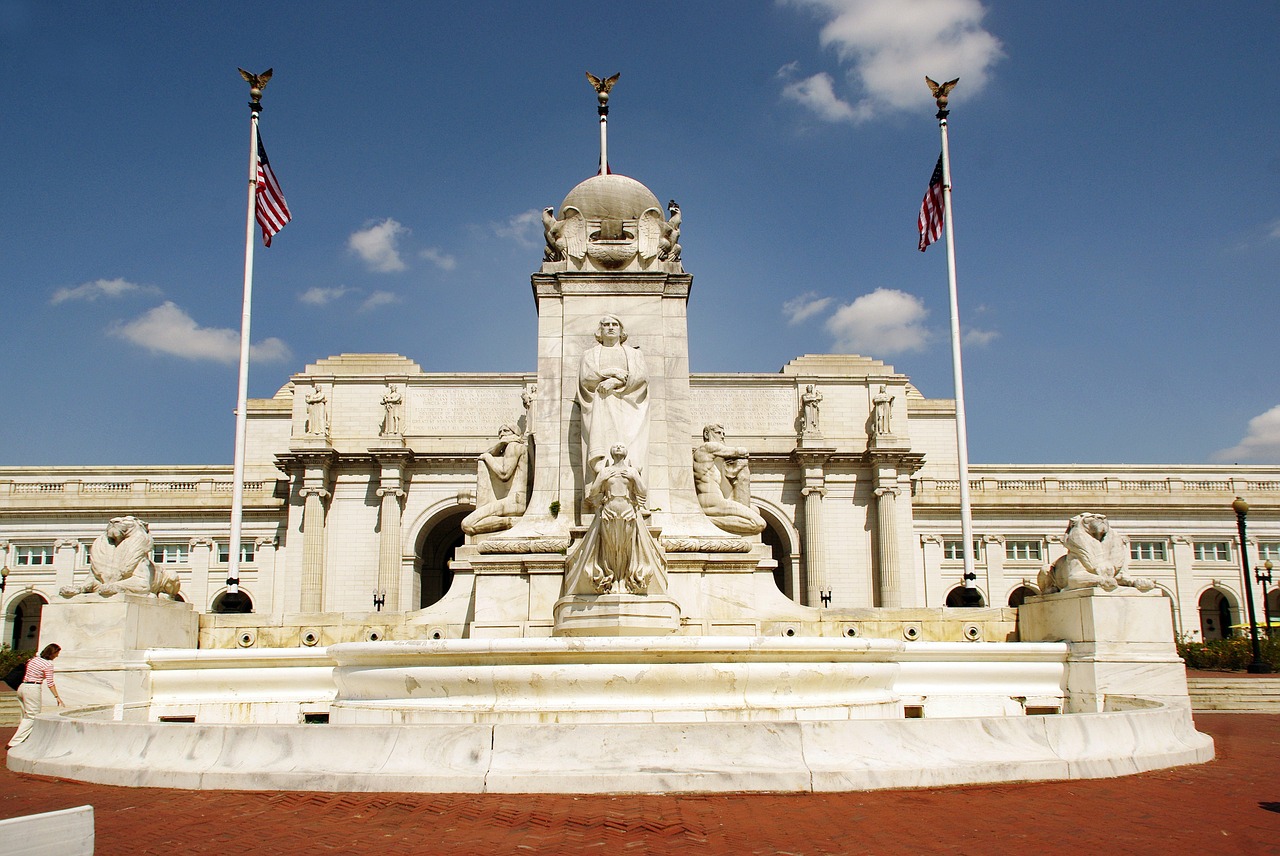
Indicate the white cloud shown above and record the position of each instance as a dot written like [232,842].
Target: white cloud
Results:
[1274,229]
[440,259]
[886,321]
[888,46]
[320,296]
[525,228]
[109,288]
[378,298]
[979,338]
[1261,444]
[818,94]
[376,245]
[167,329]
[804,307]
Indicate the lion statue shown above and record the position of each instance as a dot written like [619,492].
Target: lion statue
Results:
[1097,555]
[120,561]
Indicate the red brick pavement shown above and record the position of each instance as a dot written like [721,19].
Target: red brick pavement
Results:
[1229,806]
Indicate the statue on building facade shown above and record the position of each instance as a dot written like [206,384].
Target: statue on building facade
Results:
[393,412]
[553,233]
[502,484]
[317,424]
[613,398]
[882,405]
[1097,556]
[809,401]
[120,563]
[617,551]
[527,397]
[722,478]
[669,244]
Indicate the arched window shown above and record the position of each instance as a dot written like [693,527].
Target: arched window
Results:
[26,623]
[229,603]
[1021,593]
[959,597]
[436,546]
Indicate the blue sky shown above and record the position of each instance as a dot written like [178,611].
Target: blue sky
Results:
[1115,170]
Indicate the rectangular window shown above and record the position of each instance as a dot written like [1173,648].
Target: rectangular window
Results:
[246,554]
[169,554]
[1269,550]
[952,549]
[1213,551]
[1023,551]
[1148,551]
[28,556]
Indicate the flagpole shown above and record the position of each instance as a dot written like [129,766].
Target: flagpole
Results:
[971,596]
[602,88]
[242,394]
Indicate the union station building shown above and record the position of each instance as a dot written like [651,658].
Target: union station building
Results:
[361,470]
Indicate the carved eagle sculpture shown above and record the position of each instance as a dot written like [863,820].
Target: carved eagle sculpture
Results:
[602,87]
[257,82]
[941,90]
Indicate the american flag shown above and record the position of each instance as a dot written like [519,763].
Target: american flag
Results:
[271,211]
[931,210]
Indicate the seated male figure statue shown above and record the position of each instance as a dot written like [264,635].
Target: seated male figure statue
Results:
[723,481]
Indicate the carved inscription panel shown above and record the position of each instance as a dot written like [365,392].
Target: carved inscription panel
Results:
[746,411]
[464,410]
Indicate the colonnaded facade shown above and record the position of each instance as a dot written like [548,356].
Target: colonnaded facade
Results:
[371,483]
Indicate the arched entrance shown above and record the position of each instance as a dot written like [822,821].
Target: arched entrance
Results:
[436,544]
[1216,610]
[26,623]
[229,603]
[957,597]
[775,537]
[1018,595]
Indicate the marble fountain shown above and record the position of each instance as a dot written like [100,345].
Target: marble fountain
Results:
[613,624]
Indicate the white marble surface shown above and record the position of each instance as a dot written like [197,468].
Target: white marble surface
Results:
[69,832]
[706,757]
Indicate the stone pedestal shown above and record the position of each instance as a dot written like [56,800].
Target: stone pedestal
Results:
[616,615]
[102,639]
[1121,644]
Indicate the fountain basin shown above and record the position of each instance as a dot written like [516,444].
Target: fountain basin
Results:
[615,679]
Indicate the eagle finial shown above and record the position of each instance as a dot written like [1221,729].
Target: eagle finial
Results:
[941,90]
[602,87]
[257,83]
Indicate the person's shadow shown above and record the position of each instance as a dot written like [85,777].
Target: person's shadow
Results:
[1270,806]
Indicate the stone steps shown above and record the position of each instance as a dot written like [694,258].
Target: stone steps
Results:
[10,709]
[1227,693]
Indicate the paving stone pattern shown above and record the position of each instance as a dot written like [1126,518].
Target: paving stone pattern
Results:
[1231,805]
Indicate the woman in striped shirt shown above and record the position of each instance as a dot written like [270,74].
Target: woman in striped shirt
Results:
[39,671]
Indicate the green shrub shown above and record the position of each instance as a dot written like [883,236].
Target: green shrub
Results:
[1227,655]
[10,658]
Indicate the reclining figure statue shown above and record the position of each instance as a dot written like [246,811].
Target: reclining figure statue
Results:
[120,562]
[1097,555]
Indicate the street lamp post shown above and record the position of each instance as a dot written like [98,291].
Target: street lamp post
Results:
[5,571]
[1263,574]
[1257,667]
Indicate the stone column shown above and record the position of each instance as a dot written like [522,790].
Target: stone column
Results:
[1185,585]
[313,549]
[389,547]
[815,566]
[392,460]
[813,462]
[931,561]
[200,557]
[993,560]
[887,547]
[264,560]
[64,561]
